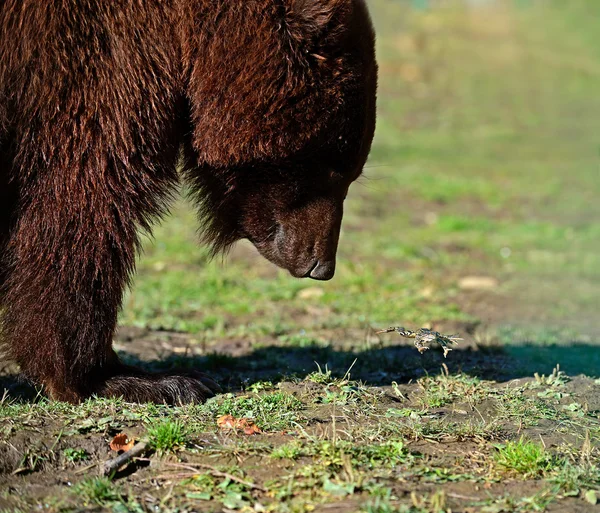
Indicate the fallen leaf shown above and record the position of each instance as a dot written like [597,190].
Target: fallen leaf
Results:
[230,423]
[251,429]
[226,422]
[121,443]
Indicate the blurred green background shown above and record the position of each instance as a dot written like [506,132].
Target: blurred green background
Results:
[479,206]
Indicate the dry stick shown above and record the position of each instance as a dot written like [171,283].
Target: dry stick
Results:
[194,467]
[83,470]
[464,497]
[113,465]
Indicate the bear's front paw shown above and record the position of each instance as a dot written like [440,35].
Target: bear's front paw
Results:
[172,389]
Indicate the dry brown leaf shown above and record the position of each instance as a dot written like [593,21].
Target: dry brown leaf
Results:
[226,422]
[250,428]
[121,443]
[230,423]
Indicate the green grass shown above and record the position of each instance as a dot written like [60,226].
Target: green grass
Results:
[272,411]
[97,491]
[74,455]
[443,389]
[335,455]
[167,436]
[522,457]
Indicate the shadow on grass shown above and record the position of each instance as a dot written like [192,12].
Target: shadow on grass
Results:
[400,363]
[374,367]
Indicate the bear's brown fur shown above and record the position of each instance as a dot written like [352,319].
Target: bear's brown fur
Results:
[268,105]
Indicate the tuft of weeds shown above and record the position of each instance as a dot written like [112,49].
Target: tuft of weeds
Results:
[320,376]
[387,454]
[556,379]
[344,393]
[433,503]
[513,405]
[534,503]
[572,479]
[416,426]
[339,391]
[525,458]
[167,436]
[97,491]
[443,475]
[271,412]
[379,505]
[261,386]
[230,493]
[335,455]
[339,468]
[291,451]
[73,455]
[446,388]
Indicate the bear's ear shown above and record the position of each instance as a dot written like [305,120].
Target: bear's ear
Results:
[312,23]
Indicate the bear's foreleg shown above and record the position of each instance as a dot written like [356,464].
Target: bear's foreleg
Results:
[70,255]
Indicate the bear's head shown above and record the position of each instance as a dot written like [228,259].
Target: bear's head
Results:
[283,125]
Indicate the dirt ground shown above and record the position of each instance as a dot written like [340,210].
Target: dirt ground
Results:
[450,428]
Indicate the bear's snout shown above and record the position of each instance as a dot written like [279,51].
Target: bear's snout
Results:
[307,246]
[322,270]
[308,267]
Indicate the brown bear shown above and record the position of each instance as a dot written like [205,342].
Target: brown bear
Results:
[266,108]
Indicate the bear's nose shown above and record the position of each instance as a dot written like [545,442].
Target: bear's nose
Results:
[323,270]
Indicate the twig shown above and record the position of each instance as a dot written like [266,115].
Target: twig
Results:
[463,497]
[112,465]
[83,470]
